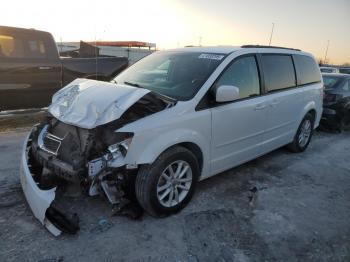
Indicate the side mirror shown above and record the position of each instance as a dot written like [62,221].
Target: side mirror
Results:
[226,93]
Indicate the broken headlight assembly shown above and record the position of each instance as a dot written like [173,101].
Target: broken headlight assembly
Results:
[113,158]
[117,152]
[119,148]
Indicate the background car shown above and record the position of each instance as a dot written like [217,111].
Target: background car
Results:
[31,69]
[328,69]
[336,103]
[344,70]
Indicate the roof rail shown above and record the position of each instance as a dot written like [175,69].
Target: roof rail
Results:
[268,46]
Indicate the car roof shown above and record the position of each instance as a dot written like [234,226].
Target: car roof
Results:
[208,49]
[21,30]
[230,49]
[339,75]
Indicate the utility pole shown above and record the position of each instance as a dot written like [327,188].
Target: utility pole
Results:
[273,26]
[325,56]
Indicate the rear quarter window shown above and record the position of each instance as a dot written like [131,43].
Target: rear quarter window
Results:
[278,72]
[36,49]
[307,70]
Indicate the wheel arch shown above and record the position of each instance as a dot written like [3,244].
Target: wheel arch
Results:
[313,113]
[311,108]
[148,153]
[191,146]
[195,149]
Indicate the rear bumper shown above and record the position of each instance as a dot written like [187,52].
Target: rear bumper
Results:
[329,117]
[38,200]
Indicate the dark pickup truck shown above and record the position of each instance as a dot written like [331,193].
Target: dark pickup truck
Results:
[31,70]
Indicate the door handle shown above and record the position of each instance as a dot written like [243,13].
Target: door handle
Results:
[45,67]
[260,107]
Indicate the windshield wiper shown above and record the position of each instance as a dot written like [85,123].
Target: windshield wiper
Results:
[132,84]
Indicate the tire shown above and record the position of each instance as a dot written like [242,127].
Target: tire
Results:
[298,145]
[154,181]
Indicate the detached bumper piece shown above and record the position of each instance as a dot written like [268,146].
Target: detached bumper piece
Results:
[41,201]
[65,222]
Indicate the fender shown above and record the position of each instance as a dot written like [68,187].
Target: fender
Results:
[148,152]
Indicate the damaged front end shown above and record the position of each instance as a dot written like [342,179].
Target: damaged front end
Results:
[59,157]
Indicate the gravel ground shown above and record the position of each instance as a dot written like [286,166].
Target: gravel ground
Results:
[300,212]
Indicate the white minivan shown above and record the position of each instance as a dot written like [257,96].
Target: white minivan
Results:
[168,121]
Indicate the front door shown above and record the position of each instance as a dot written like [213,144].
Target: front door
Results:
[238,126]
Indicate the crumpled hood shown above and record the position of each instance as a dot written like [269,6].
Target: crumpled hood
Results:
[88,103]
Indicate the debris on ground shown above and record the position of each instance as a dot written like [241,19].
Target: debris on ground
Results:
[253,196]
[54,259]
[102,226]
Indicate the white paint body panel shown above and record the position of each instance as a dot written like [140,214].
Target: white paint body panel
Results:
[227,135]
[237,132]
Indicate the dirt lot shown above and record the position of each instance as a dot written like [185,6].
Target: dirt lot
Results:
[300,212]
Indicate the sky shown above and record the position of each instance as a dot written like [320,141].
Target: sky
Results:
[303,24]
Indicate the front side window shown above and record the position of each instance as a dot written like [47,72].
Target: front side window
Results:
[11,47]
[278,72]
[175,74]
[242,73]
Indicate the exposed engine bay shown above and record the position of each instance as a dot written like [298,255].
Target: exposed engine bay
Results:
[88,161]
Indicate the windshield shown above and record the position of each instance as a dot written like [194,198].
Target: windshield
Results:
[331,82]
[178,75]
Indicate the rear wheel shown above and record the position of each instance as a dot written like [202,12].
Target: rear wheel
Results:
[303,136]
[166,186]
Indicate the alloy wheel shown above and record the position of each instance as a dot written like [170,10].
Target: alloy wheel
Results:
[305,133]
[174,183]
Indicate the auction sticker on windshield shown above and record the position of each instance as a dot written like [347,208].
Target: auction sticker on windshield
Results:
[211,56]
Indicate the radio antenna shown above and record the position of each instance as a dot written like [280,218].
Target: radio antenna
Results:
[273,26]
[325,56]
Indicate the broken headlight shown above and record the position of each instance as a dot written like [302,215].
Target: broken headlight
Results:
[120,148]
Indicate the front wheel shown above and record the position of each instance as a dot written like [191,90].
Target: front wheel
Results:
[166,186]
[303,136]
